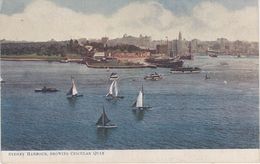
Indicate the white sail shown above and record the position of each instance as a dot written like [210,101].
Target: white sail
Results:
[74,89]
[139,101]
[110,92]
[115,88]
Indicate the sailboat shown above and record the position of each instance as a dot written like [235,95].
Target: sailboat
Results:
[207,77]
[139,103]
[73,92]
[103,121]
[1,80]
[113,91]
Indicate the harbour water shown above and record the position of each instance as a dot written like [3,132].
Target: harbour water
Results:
[188,111]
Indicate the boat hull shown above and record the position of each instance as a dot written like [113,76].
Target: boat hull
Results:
[184,72]
[143,108]
[109,98]
[46,90]
[75,96]
[214,56]
[64,61]
[113,78]
[166,63]
[106,126]
[186,57]
[153,77]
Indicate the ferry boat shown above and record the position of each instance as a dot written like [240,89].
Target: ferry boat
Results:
[153,76]
[185,70]
[114,76]
[45,89]
[213,55]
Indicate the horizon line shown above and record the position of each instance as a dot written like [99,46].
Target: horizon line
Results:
[89,39]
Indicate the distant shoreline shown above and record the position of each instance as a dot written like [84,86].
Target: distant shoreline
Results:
[79,60]
[31,59]
[121,67]
[37,58]
[20,59]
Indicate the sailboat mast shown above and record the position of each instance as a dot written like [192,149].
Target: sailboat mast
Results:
[143,94]
[103,117]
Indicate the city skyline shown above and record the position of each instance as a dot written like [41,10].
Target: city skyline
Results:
[38,20]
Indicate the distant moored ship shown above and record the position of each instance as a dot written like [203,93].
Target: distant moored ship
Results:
[186,70]
[165,63]
[153,76]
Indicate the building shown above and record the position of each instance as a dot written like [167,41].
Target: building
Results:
[104,40]
[162,49]
[141,41]
[135,57]
[88,47]
[180,36]
[99,56]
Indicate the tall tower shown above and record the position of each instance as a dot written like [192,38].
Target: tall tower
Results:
[180,37]
[179,44]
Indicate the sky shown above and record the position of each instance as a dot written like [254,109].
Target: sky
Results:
[42,20]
